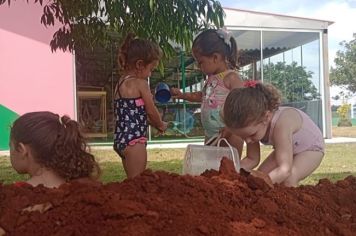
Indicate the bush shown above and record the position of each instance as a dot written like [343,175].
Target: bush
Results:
[344,115]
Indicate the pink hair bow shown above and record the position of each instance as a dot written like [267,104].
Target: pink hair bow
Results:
[250,83]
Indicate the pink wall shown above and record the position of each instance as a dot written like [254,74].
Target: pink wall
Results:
[32,78]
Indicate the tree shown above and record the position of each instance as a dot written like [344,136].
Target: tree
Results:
[344,73]
[292,80]
[87,23]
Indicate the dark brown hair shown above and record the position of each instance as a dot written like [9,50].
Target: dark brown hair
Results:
[56,143]
[134,49]
[244,106]
[209,42]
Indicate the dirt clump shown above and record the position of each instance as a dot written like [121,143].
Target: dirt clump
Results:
[160,203]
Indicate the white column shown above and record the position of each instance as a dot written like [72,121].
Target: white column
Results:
[326,84]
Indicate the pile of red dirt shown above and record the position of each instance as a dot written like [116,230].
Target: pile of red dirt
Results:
[159,203]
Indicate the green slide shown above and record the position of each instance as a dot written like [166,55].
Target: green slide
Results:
[7,117]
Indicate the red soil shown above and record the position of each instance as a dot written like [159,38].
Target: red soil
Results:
[159,203]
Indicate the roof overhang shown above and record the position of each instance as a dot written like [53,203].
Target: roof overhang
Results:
[246,18]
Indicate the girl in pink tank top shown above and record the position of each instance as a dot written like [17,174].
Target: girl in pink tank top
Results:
[254,114]
[307,138]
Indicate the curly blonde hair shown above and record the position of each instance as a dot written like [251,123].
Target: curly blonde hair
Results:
[57,143]
[244,106]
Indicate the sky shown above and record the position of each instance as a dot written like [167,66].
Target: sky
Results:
[341,12]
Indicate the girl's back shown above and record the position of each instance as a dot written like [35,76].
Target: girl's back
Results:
[127,87]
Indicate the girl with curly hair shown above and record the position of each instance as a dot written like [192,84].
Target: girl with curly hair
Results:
[50,149]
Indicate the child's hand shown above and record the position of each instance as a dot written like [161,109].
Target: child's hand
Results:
[163,127]
[225,133]
[2,232]
[176,93]
[262,175]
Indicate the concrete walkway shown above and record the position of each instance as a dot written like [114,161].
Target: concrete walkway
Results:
[341,140]
[184,145]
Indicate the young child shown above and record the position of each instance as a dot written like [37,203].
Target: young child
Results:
[50,149]
[254,114]
[215,51]
[134,105]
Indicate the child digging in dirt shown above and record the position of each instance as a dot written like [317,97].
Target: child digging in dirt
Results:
[254,114]
[134,105]
[50,149]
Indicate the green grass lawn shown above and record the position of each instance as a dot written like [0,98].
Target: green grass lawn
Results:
[339,162]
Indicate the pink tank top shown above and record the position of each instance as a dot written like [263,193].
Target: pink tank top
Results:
[307,138]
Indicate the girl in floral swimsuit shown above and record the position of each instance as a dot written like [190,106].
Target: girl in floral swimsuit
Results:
[215,52]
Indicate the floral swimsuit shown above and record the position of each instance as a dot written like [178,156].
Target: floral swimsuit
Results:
[131,121]
[214,95]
